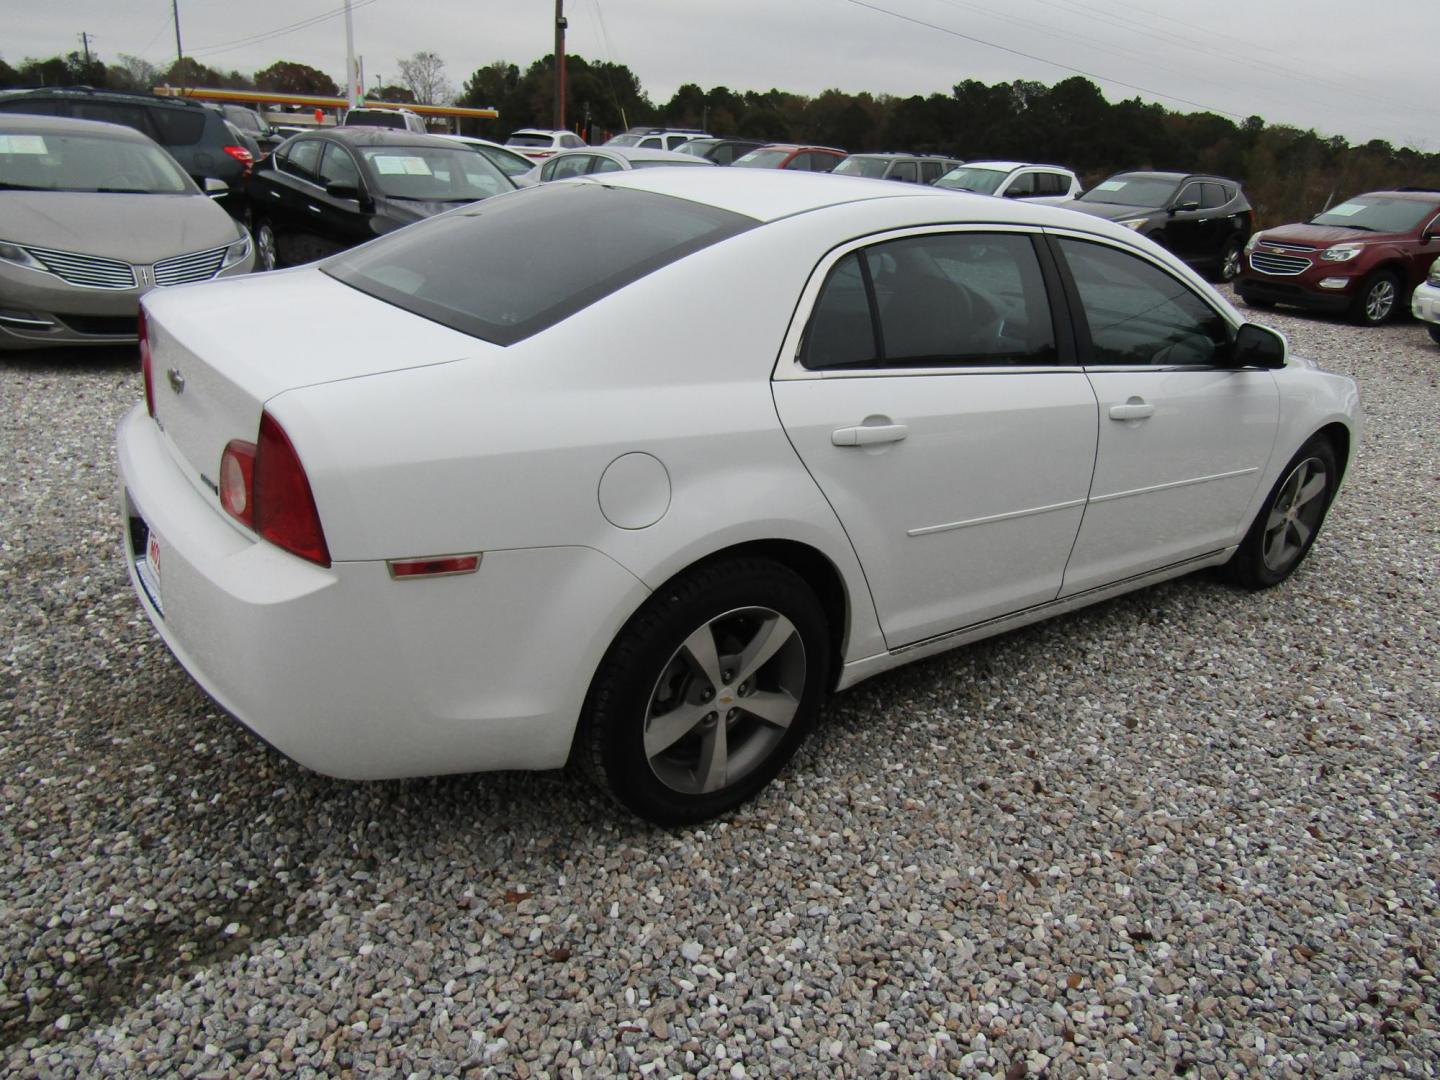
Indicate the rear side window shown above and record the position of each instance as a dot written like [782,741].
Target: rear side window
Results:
[907,171]
[1212,196]
[1051,183]
[32,106]
[510,267]
[945,300]
[179,127]
[132,116]
[930,171]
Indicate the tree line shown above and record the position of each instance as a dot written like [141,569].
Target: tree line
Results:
[1288,172]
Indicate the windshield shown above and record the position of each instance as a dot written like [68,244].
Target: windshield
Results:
[434,173]
[697,147]
[1376,215]
[862,166]
[509,268]
[520,139]
[651,163]
[508,163]
[762,159]
[364,118]
[980,181]
[1132,192]
[624,140]
[88,163]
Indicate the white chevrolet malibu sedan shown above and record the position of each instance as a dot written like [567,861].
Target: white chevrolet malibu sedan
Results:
[634,470]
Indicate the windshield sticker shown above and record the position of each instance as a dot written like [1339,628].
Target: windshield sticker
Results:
[1110,185]
[394,165]
[1345,209]
[22,144]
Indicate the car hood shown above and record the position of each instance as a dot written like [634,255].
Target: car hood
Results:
[409,211]
[1320,235]
[1111,211]
[138,229]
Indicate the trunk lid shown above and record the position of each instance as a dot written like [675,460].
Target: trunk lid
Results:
[221,350]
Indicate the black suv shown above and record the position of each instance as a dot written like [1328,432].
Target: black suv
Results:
[1204,220]
[195,136]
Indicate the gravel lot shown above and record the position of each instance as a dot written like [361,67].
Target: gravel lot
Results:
[1189,832]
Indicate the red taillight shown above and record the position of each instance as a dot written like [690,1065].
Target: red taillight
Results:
[265,487]
[240,154]
[237,481]
[146,367]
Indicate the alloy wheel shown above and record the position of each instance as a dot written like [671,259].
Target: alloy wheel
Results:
[1230,267]
[1296,514]
[725,700]
[1380,300]
[265,247]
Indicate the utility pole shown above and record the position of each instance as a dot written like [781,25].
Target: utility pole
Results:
[352,91]
[179,52]
[559,65]
[85,44]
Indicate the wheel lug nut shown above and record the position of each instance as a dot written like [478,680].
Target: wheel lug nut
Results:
[710,718]
[706,694]
[726,676]
[732,714]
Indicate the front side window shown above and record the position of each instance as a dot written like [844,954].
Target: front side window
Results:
[507,268]
[1022,187]
[943,300]
[1140,315]
[338,167]
[302,159]
[1191,194]
[566,165]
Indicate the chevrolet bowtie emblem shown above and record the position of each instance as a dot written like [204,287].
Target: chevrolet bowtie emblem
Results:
[177,381]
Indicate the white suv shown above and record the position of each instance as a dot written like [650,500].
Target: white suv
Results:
[395,119]
[1425,302]
[1014,180]
[539,143]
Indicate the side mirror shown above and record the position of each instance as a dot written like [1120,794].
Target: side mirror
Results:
[215,187]
[1428,235]
[346,191]
[1257,346]
[1184,207]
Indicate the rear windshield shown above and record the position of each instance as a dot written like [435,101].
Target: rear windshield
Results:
[529,140]
[1372,214]
[624,140]
[513,266]
[358,118]
[762,159]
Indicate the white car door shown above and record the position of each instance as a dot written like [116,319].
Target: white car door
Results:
[1184,438]
[939,408]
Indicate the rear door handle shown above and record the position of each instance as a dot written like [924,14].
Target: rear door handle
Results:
[1134,409]
[869,435]
[313,208]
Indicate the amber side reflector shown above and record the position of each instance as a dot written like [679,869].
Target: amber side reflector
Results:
[441,566]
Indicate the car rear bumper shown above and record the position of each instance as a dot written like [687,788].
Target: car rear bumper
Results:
[352,673]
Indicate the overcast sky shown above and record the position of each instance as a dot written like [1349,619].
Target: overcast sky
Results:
[1359,70]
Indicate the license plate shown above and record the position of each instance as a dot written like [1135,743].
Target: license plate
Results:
[147,568]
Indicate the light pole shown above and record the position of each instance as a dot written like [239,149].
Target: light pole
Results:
[559,65]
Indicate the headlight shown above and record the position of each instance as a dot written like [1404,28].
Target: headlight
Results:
[1250,244]
[1133,223]
[236,251]
[1341,252]
[1434,276]
[14,253]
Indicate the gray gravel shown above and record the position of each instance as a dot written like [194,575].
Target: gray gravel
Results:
[1188,832]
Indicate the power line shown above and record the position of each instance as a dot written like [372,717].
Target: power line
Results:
[303,24]
[1042,59]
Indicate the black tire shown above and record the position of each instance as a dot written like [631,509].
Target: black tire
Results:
[1255,302]
[267,254]
[1285,529]
[650,674]
[1378,299]
[1434,333]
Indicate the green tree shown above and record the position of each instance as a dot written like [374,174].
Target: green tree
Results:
[288,77]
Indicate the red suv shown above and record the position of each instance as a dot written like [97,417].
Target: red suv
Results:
[1364,257]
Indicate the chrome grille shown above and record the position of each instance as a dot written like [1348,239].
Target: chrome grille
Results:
[182,269]
[89,271]
[1279,265]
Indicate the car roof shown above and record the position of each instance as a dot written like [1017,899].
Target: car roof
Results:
[1401,193]
[39,124]
[123,96]
[630,153]
[361,135]
[539,131]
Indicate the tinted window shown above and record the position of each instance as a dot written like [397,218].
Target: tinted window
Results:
[338,167]
[567,165]
[1138,314]
[365,118]
[132,116]
[29,105]
[511,267]
[302,159]
[179,127]
[822,162]
[1212,196]
[1191,193]
[525,139]
[1021,187]
[1051,183]
[946,300]
[841,333]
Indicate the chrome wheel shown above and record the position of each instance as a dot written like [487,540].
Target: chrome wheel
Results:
[1230,265]
[1379,300]
[265,256]
[1296,514]
[725,700]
